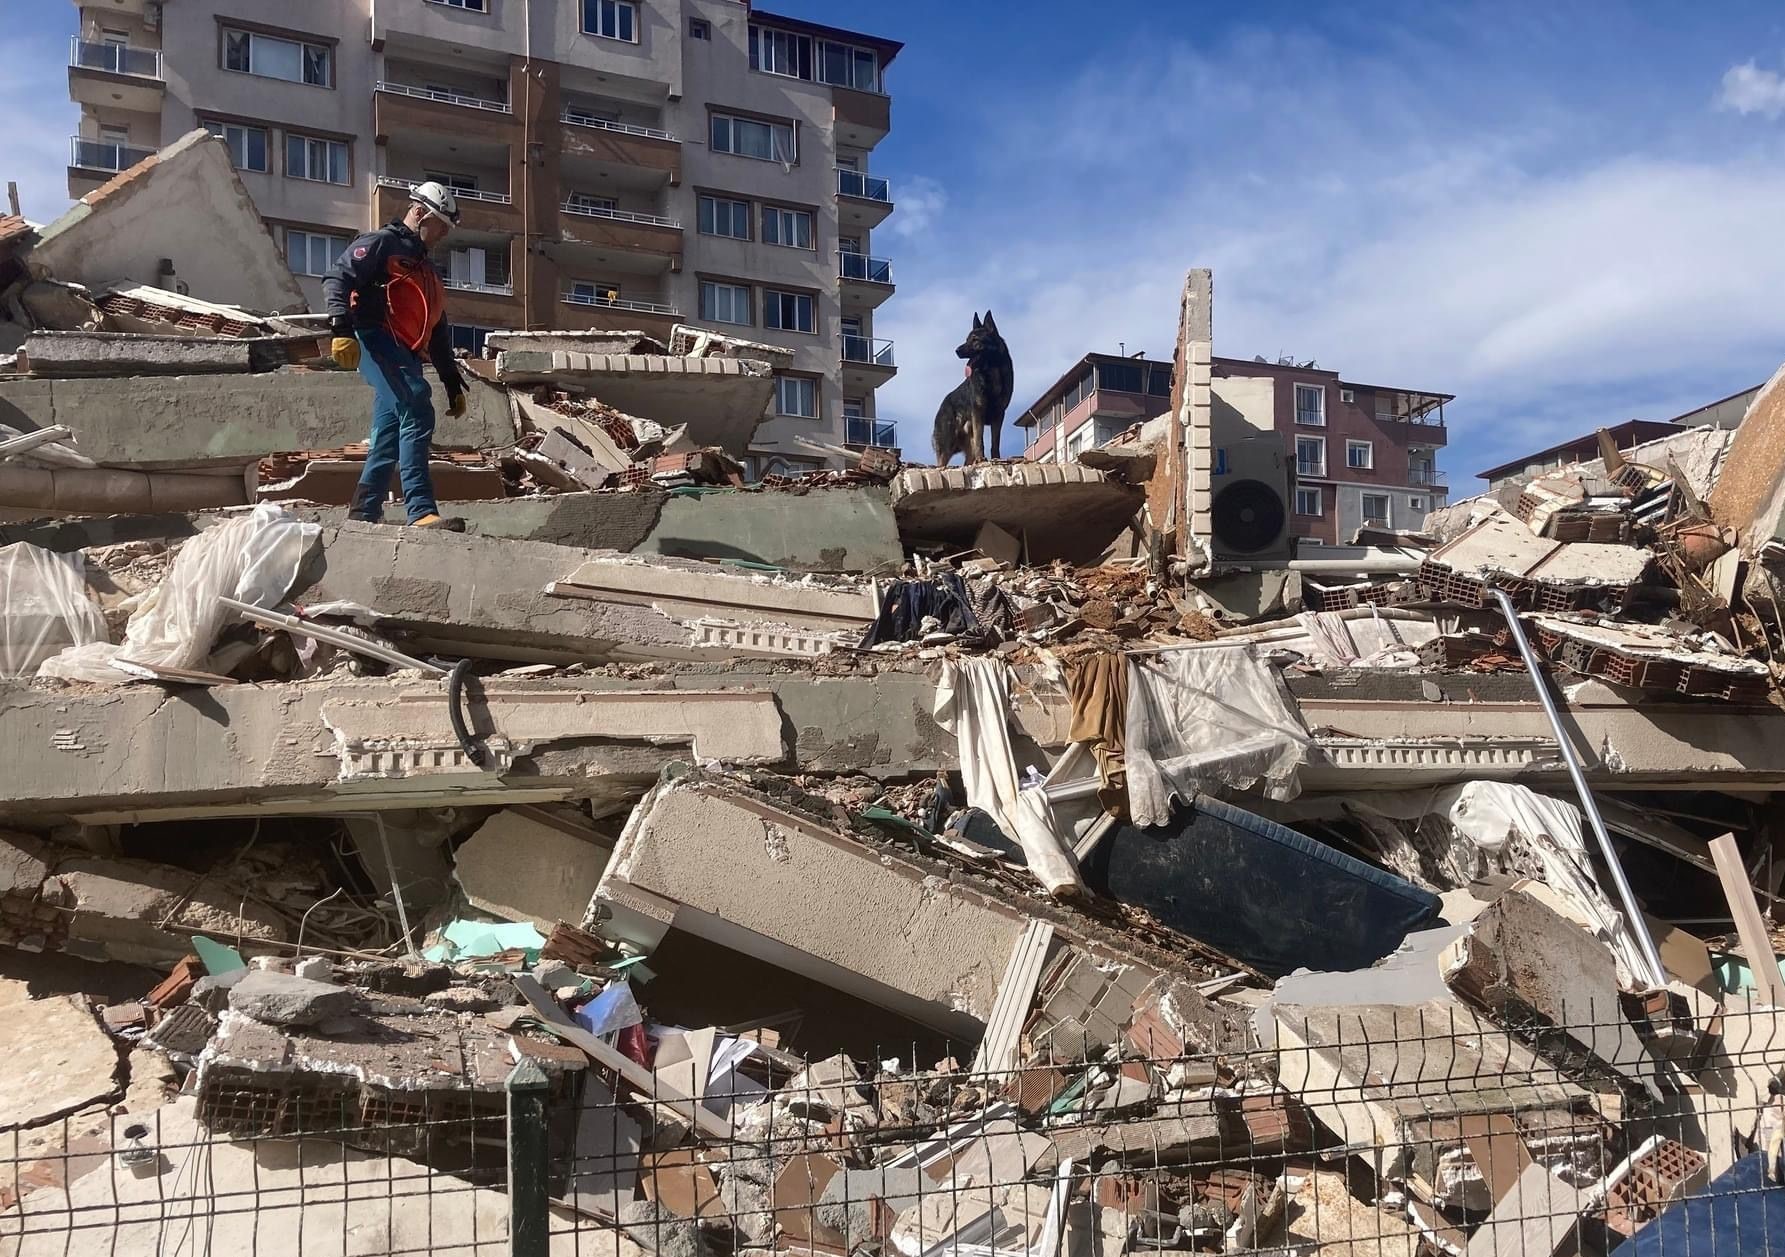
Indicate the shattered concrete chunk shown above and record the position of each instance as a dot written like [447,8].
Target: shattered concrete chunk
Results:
[280,999]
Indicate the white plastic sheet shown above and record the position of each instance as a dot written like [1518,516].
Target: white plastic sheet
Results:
[1206,717]
[44,607]
[253,558]
[971,702]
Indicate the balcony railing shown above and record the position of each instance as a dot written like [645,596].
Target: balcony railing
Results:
[1433,418]
[619,303]
[462,194]
[450,98]
[1310,468]
[103,155]
[624,216]
[488,290]
[142,63]
[1426,476]
[876,353]
[861,266]
[624,128]
[881,432]
[867,187]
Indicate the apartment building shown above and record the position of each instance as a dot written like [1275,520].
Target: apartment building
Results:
[1364,454]
[620,164]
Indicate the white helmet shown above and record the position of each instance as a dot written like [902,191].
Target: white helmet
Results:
[438,200]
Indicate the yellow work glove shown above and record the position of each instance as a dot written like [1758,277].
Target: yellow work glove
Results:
[345,351]
[456,406]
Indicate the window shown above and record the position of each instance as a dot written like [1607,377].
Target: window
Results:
[589,203]
[114,135]
[796,395]
[458,183]
[1307,502]
[589,116]
[748,137]
[611,19]
[1120,377]
[848,66]
[1081,389]
[724,303]
[1310,405]
[780,52]
[1416,504]
[1159,381]
[1376,509]
[311,252]
[1310,456]
[699,28]
[849,244]
[478,268]
[322,160]
[1348,396]
[474,6]
[722,216]
[1360,455]
[1309,541]
[854,408]
[792,228]
[594,291]
[275,58]
[247,145]
[469,338]
[789,311]
[1079,441]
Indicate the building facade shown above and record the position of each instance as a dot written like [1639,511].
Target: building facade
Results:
[1364,454]
[620,164]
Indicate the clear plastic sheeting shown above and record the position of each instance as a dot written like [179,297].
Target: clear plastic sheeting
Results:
[1206,717]
[253,559]
[44,608]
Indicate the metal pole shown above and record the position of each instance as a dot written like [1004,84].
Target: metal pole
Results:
[529,1209]
[1639,928]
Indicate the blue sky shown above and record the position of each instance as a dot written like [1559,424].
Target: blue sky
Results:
[1567,215]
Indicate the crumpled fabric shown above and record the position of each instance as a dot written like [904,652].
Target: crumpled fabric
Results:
[972,700]
[906,603]
[1098,686]
[44,607]
[253,558]
[1203,717]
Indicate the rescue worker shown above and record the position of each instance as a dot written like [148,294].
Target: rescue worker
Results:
[386,304]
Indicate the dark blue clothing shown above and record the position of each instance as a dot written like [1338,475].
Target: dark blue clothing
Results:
[402,428]
[1738,1215]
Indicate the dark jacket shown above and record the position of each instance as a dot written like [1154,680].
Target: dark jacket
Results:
[384,279]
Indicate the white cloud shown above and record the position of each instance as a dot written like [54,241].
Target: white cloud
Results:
[920,201]
[1368,225]
[34,95]
[1749,89]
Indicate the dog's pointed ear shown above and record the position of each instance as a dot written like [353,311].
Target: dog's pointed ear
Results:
[988,321]
[976,321]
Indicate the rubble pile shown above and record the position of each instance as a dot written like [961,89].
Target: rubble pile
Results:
[893,860]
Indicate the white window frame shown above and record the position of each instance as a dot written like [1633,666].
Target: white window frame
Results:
[1077,441]
[309,142]
[1348,396]
[735,209]
[305,50]
[590,201]
[1319,440]
[781,135]
[1369,450]
[470,6]
[1417,504]
[458,183]
[610,13]
[854,55]
[855,408]
[801,301]
[333,246]
[1319,391]
[594,290]
[782,217]
[1388,508]
[700,28]
[233,133]
[804,387]
[1318,499]
[1309,541]
[777,52]
[475,266]
[733,292]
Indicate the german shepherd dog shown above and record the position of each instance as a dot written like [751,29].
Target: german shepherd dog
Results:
[978,403]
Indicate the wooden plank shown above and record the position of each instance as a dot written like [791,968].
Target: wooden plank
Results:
[1756,941]
[1534,1219]
[637,1076]
[1497,1150]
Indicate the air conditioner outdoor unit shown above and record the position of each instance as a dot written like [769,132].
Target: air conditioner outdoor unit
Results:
[1250,507]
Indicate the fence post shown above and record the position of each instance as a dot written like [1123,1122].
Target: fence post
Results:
[528,1214]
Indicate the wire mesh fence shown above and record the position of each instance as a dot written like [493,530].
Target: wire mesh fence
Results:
[1373,1128]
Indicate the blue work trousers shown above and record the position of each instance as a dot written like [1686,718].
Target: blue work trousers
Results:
[402,428]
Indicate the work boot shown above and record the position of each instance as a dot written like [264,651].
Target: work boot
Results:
[445,523]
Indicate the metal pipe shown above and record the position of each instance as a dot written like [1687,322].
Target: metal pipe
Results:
[333,636]
[1657,975]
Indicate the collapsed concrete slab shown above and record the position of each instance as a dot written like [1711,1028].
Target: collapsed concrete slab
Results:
[182,213]
[1057,510]
[532,601]
[522,867]
[737,870]
[65,355]
[197,420]
[722,400]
